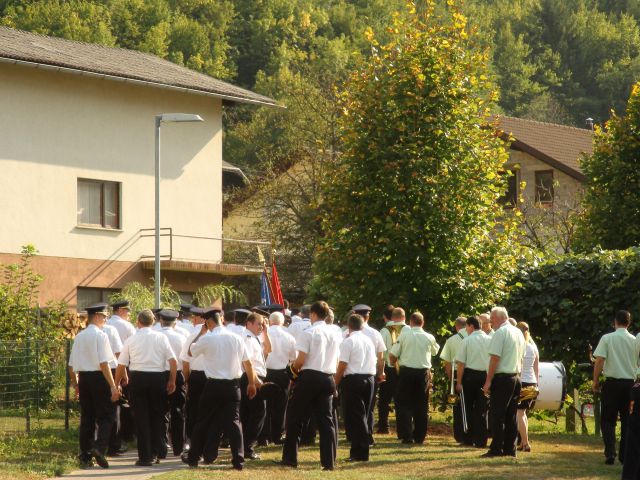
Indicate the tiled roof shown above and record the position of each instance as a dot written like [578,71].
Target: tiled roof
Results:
[561,143]
[38,49]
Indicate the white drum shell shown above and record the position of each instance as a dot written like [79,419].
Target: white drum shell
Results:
[552,385]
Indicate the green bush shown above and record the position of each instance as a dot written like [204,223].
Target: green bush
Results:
[570,302]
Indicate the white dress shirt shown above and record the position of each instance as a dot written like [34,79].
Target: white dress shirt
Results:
[321,348]
[255,352]
[298,325]
[195,363]
[114,343]
[177,341]
[237,329]
[376,337]
[223,353]
[146,351]
[124,327]
[337,332]
[357,351]
[90,349]
[187,325]
[182,331]
[283,348]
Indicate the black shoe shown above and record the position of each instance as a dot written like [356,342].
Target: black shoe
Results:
[282,463]
[610,461]
[252,456]
[185,457]
[140,463]
[238,466]
[100,459]
[157,460]
[327,469]
[407,441]
[490,454]
[509,454]
[86,464]
[353,460]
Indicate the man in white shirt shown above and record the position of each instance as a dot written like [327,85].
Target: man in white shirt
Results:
[299,323]
[314,389]
[355,374]
[93,382]
[115,440]
[253,410]
[378,343]
[193,372]
[283,352]
[122,323]
[174,418]
[224,356]
[448,356]
[184,319]
[146,354]
[239,320]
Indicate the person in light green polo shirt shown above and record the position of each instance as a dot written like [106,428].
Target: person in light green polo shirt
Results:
[472,361]
[506,350]
[448,356]
[413,353]
[617,356]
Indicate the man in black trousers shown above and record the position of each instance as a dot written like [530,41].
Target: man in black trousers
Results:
[95,387]
[314,389]
[224,356]
[472,360]
[193,372]
[146,354]
[355,374]
[506,350]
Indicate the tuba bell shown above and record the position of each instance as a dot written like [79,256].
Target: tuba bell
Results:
[529,393]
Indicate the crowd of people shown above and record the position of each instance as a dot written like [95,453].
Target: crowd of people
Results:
[195,379]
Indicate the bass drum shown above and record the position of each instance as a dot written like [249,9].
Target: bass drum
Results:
[552,386]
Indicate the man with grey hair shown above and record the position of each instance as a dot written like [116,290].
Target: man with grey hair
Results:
[300,323]
[506,350]
[485,324]
[448,355]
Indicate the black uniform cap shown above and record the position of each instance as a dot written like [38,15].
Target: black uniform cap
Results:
[185,307]
[155,311]
[361,307]
[261,309]
[196,311]
[121,304]
[168,314]
[97,308]
[211,312]
[275,307]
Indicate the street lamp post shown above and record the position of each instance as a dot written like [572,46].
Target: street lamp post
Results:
[160,119]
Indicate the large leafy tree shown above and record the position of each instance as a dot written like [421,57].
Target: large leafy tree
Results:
[612,194]
[411,213]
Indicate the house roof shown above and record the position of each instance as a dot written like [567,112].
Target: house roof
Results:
[118,63]
[558,145]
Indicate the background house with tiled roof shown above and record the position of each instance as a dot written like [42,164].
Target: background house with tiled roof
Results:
[546,157]
[77,149]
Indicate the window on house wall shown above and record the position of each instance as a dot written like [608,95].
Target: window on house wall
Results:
[544,187]
[98,203]
[510,198]
[88,296]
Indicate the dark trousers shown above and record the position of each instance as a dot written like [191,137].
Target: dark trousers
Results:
[218,412]
[631,466]
[174,417]
[357,391]
[252,415]
[505,391]
[386,393]
[96,409]
[312,396]
[273,429]
[149,400]
[616,395]
[197,380]
[412,404]
[476,407]
[370,412]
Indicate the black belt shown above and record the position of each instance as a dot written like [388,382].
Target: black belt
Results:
[235,381]
[316,372]
[276,370]
[471,370]
[505,375]
[360,375]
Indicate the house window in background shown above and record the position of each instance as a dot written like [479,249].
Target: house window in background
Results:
[510,198]
[88,296]
[544,187]
[98,203]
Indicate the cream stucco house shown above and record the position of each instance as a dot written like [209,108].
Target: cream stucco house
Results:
[77,146]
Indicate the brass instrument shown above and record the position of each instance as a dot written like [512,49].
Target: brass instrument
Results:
[452,397]
[529,393]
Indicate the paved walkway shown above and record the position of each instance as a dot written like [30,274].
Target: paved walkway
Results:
[122,468]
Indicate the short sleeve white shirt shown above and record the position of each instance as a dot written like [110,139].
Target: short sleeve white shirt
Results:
[321,348]
[177,341]
[255,352]
[125,328]
[283,348]
[114,343]
[376,337]
[298,325]
[195,363]
[237,329]
[358,352]
[90,349]
[146,351]
[528,374]
[223,353]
